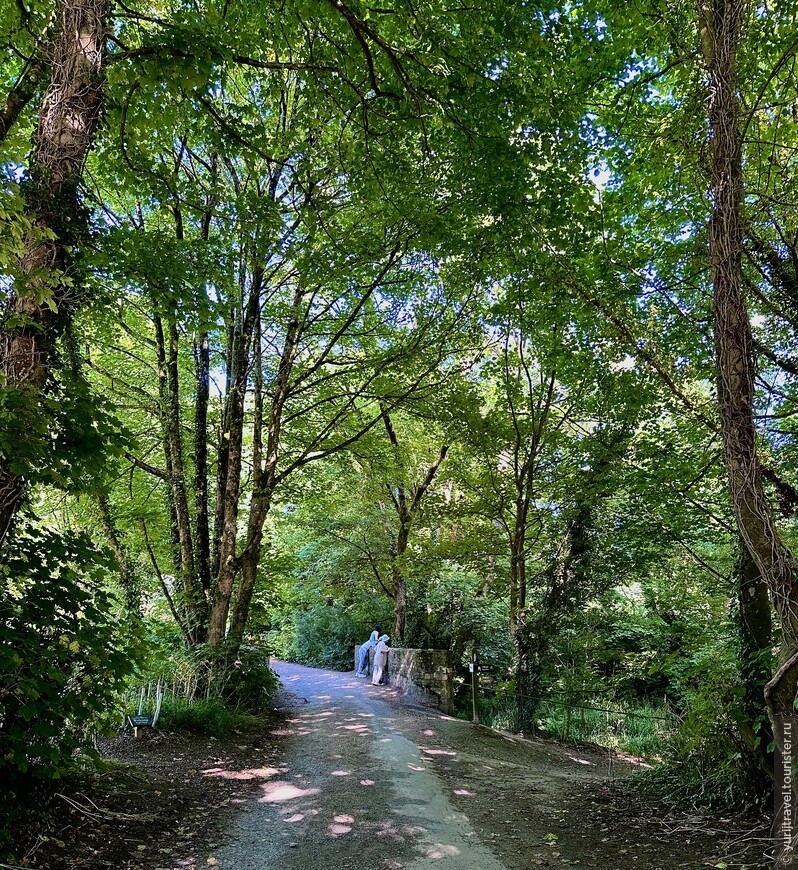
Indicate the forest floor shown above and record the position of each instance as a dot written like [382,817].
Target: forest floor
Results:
[351,776]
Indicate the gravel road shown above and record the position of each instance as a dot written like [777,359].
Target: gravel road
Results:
[353,790]
[360,779]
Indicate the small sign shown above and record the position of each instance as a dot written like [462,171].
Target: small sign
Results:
[471,667]
[140,721]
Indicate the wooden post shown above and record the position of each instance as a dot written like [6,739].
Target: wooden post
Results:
[568,722]
[474,688]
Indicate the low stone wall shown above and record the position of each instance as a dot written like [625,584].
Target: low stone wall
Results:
[424,674]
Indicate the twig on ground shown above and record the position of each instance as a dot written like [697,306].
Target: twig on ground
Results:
[98,814]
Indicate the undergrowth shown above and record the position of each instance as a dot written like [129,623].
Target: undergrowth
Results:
[693,764]
[640,729]
[205,716]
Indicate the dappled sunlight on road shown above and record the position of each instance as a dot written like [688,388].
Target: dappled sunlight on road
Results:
[441,851]
[280,791]
[338,830]
[633,759]
[356,780]
[324,681]
[387,830]
[292,732]
[353,774]
[581,760]
[249,773]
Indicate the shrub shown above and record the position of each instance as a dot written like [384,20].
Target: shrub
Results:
[635,727]
[326,637]
[64,654]
[240,678]
[708,761]
[247,680]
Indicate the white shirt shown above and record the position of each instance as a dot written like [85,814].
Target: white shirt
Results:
[381,654]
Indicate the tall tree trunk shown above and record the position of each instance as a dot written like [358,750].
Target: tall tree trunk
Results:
[399,580]
[127,577]
[756,643]
[407,503]
[250,560]
[519,629]
[227,531]
[163,406]
[191,600]
[518,560]
[223,448]
[265,467]
[202,378]
[203,538]
[178,481]
[720,23]
[67,121]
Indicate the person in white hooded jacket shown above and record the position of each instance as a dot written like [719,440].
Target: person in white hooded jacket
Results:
[363,656]
[380,660]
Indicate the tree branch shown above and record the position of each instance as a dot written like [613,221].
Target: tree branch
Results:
[145,466]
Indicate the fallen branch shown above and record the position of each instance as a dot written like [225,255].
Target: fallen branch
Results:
[99,815]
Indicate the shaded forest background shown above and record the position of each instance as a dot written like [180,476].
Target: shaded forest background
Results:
[476,322]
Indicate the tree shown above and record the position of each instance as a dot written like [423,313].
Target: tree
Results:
[406,500]
[47,291]
[720,30]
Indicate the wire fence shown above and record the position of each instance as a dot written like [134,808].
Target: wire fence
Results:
[569,716]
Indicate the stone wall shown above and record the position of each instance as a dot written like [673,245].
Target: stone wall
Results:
[423,674]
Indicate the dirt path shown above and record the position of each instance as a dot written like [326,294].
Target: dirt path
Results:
[360,779]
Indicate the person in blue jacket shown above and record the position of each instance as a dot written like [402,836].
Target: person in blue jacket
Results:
[363,659]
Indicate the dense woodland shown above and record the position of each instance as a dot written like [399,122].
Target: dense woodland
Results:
[476,320]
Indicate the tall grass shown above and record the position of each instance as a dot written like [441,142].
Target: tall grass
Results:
[209,716]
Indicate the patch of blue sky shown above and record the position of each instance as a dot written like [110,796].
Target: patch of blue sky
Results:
[570,12]
[600,176]
[218,382]
[495,70]
[12,171]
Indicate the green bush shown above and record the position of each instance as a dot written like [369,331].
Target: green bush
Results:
[632,727]
[247,679]
[238,677]
[64,654]
[282,638]
[709,763]
[326,637]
